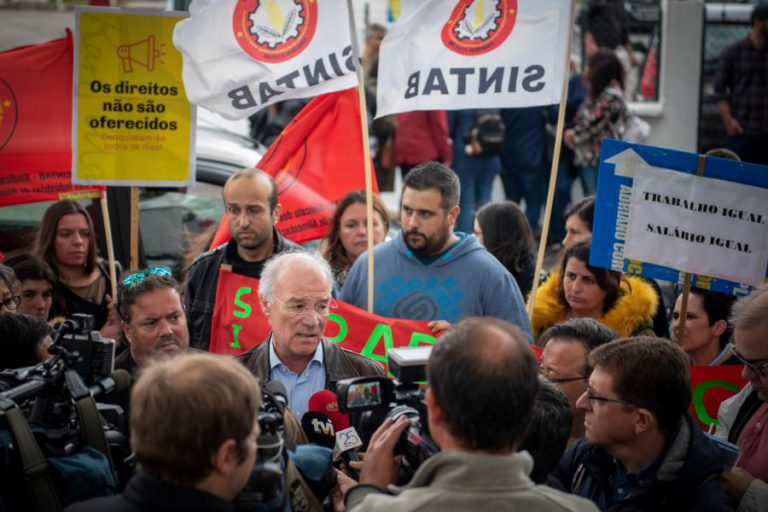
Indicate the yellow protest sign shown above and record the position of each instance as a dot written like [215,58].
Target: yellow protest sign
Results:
[132,124]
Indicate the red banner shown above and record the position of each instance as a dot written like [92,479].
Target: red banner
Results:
[711,385]
[317,159]
[36,124]
[239,323]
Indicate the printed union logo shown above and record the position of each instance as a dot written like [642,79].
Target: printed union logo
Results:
[274,30]
[9,113]
[479,26]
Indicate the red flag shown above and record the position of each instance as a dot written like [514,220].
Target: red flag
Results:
[317,159]
[36,124]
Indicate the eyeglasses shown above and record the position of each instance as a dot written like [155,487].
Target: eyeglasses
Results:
[301,309]
[557,380]
[595,398]
[132,280]
[11,303]
[759,369]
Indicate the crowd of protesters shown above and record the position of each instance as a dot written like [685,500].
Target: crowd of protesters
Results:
[601,421]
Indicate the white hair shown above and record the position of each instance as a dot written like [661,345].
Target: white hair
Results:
[275,266]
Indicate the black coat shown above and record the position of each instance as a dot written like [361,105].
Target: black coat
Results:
[687,477]
[147,494]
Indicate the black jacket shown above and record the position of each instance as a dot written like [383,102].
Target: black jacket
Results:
[340,363]
[203,278]
[687,477]
[148,494]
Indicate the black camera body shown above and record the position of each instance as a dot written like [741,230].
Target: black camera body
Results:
[378,398]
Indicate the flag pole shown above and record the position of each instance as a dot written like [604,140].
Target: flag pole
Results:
[553,170]
[110,248]
[680,334]
[134,228]
[366,153]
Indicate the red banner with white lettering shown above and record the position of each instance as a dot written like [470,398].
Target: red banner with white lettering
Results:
[711,385]
[239,323]
[36,124]
[317,160]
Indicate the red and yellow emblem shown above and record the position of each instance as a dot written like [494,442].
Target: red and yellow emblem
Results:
[9,113]
[274,30]
[479,26]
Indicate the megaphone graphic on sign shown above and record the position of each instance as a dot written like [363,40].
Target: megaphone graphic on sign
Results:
[141,52]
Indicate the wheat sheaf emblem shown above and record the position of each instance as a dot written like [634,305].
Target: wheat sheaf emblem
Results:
[274,22]
[479,20]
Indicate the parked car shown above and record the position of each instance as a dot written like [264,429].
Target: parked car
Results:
[169,218]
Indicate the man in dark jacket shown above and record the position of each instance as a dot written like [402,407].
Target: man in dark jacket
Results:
[250,199]
[642,450]
[295,294]
[198,464]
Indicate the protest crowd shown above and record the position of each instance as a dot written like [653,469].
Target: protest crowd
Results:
[260,376]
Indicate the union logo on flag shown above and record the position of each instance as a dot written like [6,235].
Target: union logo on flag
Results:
[476,27]
[8,113]
[274,30]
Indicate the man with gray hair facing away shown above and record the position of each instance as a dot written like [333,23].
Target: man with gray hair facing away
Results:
[295,294]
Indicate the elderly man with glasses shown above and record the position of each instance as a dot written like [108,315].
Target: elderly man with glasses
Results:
[566,347]
[295,294]
[642,450]
[743,419]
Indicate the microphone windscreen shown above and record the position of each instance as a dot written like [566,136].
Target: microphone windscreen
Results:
[326,402]
[122,379]
[276,388]
[319,429]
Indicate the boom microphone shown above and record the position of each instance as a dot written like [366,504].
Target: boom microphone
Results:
[117,381]
[319,429]
[277,389]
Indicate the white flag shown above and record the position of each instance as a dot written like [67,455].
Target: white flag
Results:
[457,54]
[242,55]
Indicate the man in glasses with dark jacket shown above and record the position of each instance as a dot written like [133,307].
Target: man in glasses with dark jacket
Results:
[642,449]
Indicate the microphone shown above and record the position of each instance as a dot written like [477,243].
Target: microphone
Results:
[277,389]
[347,444]
[326,402]
[117,381]
[319,429]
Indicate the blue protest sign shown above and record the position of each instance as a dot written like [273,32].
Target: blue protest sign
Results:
[619,162]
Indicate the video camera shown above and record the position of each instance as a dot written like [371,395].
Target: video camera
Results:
[265,490]
[55,400]
[378,398]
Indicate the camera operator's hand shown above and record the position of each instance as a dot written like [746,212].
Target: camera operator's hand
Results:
[343,484]
[380,467]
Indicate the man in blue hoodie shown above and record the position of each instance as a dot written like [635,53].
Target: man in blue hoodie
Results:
[429,272]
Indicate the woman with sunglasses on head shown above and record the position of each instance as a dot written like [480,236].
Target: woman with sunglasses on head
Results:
[707,329]
[67,243]
[9,288]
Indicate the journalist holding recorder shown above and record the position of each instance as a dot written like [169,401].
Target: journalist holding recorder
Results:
[478,421]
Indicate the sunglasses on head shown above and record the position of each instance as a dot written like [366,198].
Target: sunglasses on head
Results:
[135,278]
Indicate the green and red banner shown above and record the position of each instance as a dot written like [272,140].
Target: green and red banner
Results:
[239,323]
[711,385]
[36,124]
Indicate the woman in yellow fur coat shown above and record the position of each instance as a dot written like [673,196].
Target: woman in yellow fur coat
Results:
[626,304]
